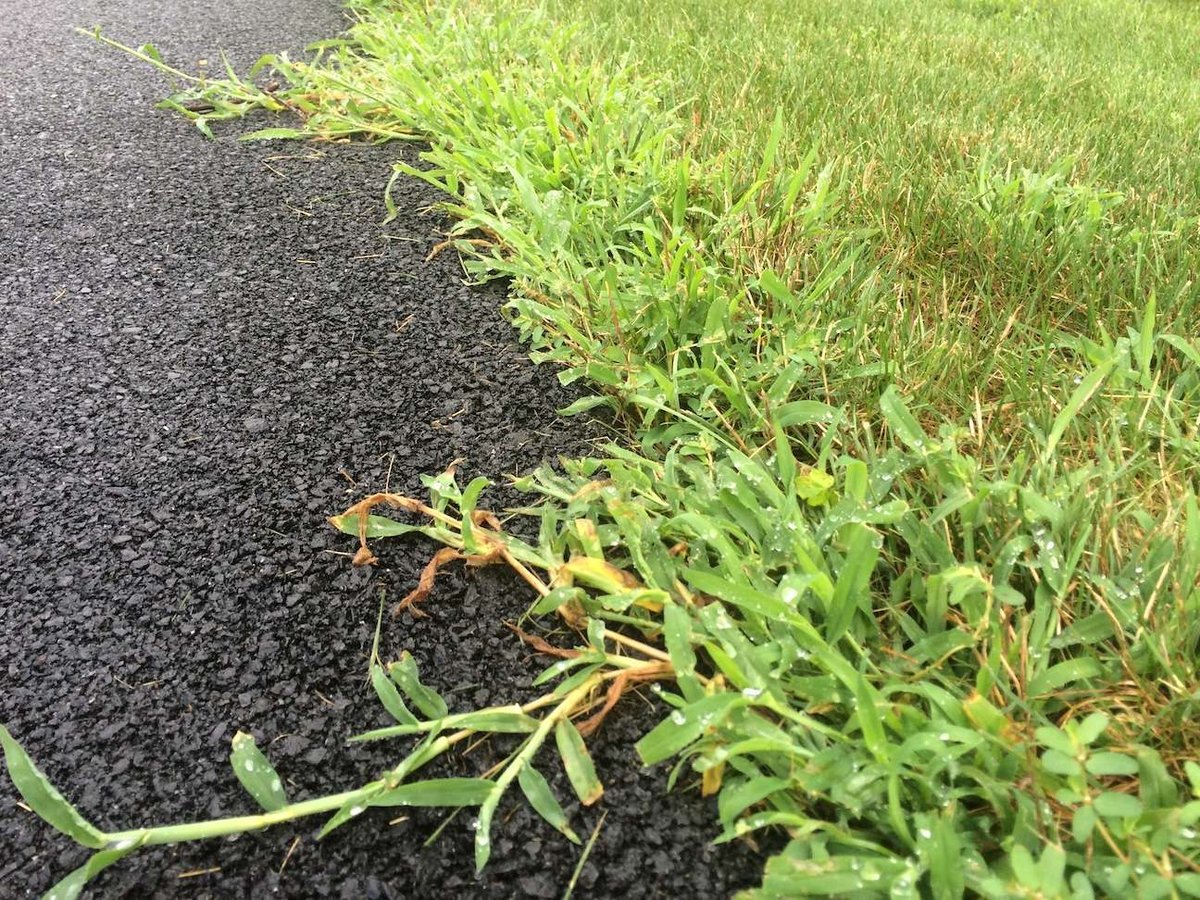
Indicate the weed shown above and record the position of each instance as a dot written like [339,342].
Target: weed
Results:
[907,515]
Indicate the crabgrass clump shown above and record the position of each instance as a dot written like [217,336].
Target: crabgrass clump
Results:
[907,515]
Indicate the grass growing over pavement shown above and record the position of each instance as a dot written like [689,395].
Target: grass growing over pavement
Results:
[907,519]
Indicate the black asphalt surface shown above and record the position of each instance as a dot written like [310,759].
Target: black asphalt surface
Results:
[207,348]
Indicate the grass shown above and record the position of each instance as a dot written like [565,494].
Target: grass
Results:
[1024,167]
[907,514]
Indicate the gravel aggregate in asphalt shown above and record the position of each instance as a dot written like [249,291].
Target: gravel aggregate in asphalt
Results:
[207,348]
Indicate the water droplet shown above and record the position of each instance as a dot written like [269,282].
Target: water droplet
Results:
[276,785]
[248,765]
[752,693]
[925,833]
[1187,833]
[678,717]
[1049,545]
[944,736]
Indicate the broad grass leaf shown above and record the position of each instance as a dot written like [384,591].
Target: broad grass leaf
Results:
[377,526]
[736,797]
[583,404]
[1060,675]
[805,412]
[943,851]
[498,721]
[684,726]
[850,589]
[740,595]
[466,507]
[1079,398]
[794,873]
[437,792]
[351,809]
[581,771]
[557,669]
[775,287]
[256,773]
[385,689]
[556,598]
[276,134]
[428,701]
[541,797]
[73,884]
[902,422]
[869,720]
[42,797]
[677,633]
[483,826]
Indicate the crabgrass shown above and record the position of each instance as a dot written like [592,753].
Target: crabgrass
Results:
[894,303]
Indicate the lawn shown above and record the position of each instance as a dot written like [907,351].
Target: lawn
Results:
[892,303]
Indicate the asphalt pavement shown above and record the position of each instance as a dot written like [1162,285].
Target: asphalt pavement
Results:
[207,347]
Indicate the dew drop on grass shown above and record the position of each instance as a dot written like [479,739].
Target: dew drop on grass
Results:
[678,717]
[925,834]
[276,785]
[944,736]
[248,765]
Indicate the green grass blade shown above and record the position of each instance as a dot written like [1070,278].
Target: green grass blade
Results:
[43,799]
